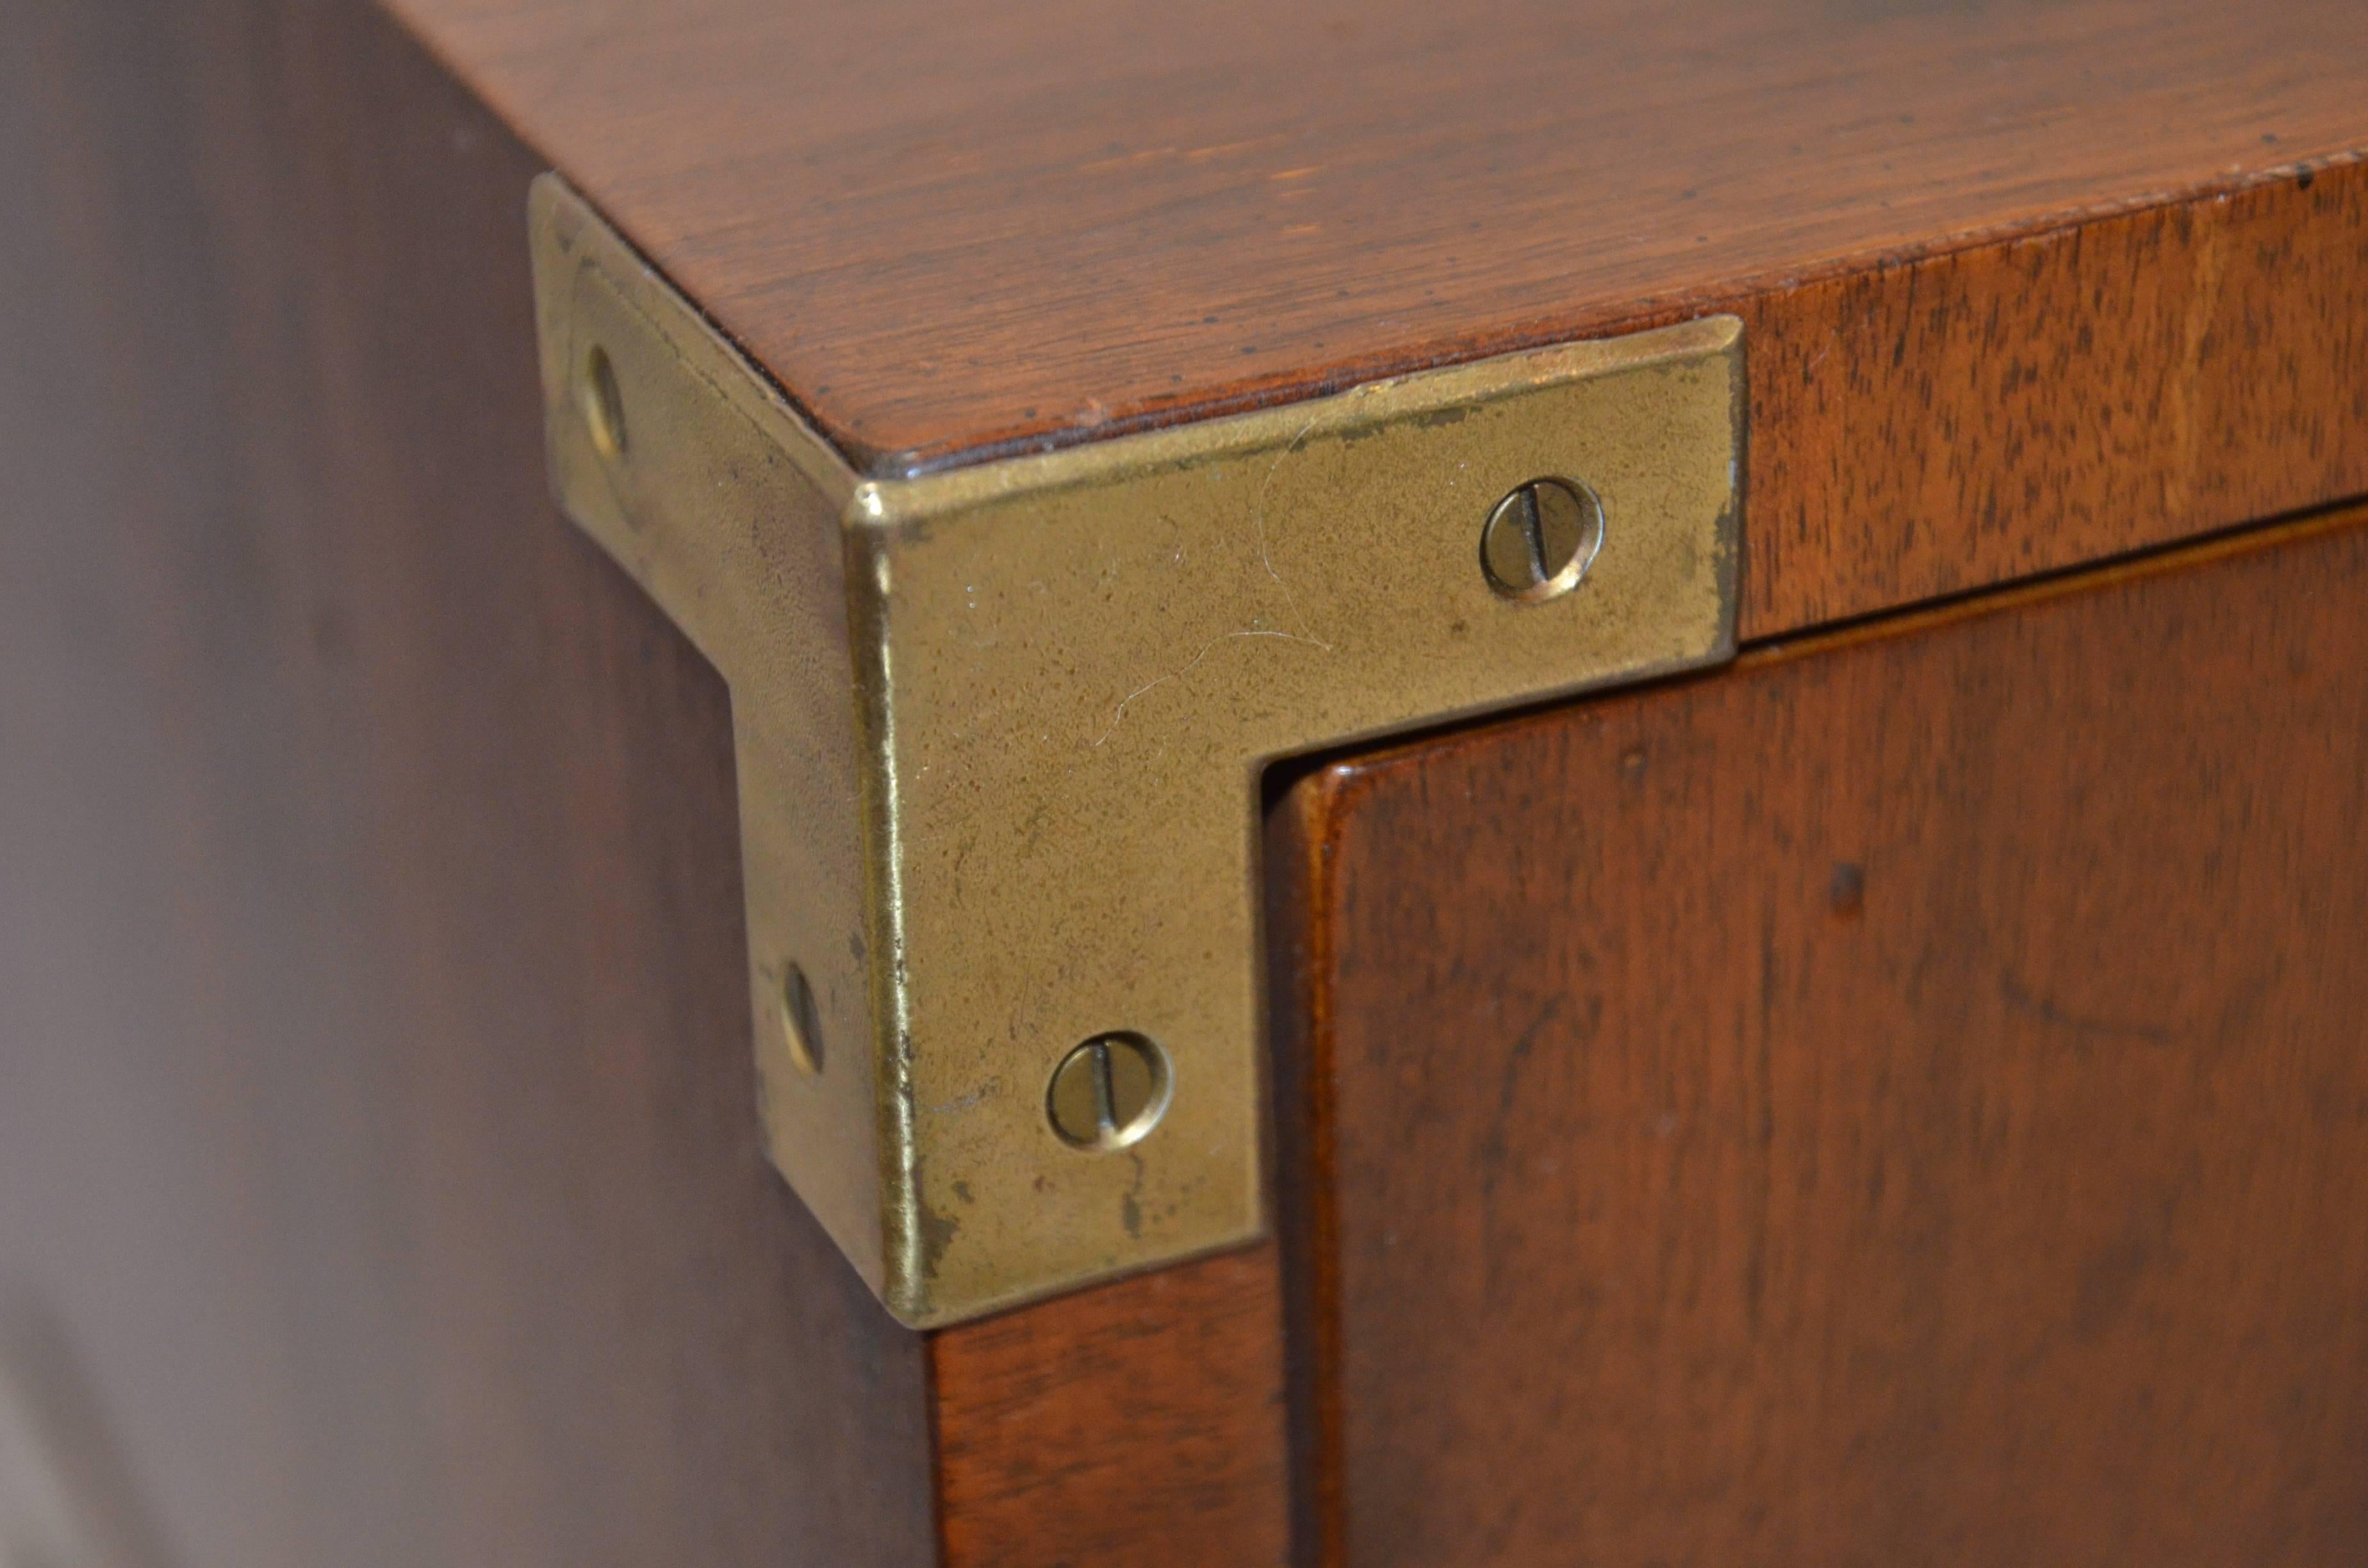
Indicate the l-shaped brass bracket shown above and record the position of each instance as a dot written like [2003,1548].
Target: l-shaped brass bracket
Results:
[1000,728]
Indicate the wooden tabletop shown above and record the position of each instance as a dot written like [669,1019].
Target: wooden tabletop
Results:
[951,229]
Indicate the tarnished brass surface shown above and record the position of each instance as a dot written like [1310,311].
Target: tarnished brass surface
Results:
[1000,728]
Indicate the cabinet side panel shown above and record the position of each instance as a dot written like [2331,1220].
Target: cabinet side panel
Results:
[380,1174]
[1139,1422]
[2049,402]
[1901,1099]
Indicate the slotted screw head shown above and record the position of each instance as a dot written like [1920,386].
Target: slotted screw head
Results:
[1540,539]
[1108,1092]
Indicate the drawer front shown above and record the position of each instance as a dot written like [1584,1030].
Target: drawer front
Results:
[1902,1100]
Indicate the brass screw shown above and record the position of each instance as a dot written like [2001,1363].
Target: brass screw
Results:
[1540,539]
[1108,1092]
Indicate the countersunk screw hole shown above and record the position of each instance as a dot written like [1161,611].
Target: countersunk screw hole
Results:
[801,1024]
[603,405]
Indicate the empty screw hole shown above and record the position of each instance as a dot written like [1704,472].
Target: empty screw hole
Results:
[603,405]
[801,1024]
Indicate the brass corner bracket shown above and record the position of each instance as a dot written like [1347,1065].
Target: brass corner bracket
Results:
[999,729]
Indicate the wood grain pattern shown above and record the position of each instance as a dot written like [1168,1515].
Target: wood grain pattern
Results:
[945,227]
[1899,1100]
[1139,1423]
[2028,283]
[377,1122]
[2023,407]
[377,1127]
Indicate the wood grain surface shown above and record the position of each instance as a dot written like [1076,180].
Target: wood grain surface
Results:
[2030,282]
[1899,1101]
[378,1163]
[2011,409]
[380,1170]
[947,226]
[1139,1423]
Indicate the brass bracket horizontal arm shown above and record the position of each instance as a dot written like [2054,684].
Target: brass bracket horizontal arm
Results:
[999,729]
